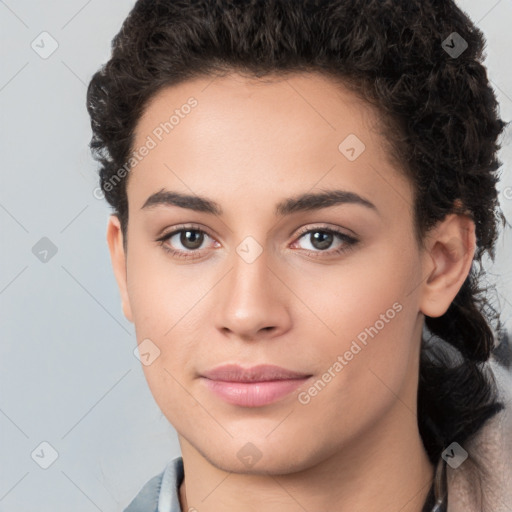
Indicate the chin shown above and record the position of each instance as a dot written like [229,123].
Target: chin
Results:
[253,458]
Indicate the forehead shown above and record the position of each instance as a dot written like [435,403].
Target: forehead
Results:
[302,103]
[239,134]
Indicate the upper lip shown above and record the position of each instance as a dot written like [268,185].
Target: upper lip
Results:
[259,373]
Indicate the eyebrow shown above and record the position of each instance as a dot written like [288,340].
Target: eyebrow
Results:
[303,202]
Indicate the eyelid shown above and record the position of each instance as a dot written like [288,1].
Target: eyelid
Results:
[348,242]
[352,239]
[302,230]
[326,227]
[183,227]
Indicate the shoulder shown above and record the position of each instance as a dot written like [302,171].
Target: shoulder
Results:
[483,482]
[160,493]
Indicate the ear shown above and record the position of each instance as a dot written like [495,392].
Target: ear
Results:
[449,251]
[118,258]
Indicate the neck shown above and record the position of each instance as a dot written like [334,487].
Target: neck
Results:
[384,467]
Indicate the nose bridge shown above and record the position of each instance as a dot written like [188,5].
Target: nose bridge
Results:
[250,279]
[253,258]
[249,300]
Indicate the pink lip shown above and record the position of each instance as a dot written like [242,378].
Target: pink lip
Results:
[252,387]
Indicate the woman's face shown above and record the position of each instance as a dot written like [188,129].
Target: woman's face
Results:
[267,280]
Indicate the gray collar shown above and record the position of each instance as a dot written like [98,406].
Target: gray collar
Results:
[172,477]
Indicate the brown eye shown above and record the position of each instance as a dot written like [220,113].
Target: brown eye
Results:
[191,238]
[323,241]
[184,242]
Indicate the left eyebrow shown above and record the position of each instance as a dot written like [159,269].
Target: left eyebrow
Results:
[319,200]
[303,202]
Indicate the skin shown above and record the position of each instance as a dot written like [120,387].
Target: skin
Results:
[248,145]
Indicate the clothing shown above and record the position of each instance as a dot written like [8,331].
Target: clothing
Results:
[161,493]
[482,483]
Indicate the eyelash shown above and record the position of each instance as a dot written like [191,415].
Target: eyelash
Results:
[349,241]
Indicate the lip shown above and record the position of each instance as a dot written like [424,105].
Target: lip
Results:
[252,387]
[259,373]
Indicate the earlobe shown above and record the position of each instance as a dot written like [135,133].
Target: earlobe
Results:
[448,257]
[118,258]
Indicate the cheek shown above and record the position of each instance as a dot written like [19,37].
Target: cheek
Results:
[160,292]
[368,318]
[348,297]
[167,309]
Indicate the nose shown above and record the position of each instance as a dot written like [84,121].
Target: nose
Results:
[252,300]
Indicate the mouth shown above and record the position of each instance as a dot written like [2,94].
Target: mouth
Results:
[252,387]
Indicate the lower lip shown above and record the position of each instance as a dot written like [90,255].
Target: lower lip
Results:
[253,394]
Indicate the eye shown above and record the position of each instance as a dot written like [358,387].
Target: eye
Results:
[322,238]
[190,237]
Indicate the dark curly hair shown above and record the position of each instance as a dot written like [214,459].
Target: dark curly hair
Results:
[438,112]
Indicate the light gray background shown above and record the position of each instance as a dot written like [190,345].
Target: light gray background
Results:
[68,375]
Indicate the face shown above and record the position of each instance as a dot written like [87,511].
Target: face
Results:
[328,289]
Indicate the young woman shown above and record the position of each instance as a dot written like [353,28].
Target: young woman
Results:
[302,193]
